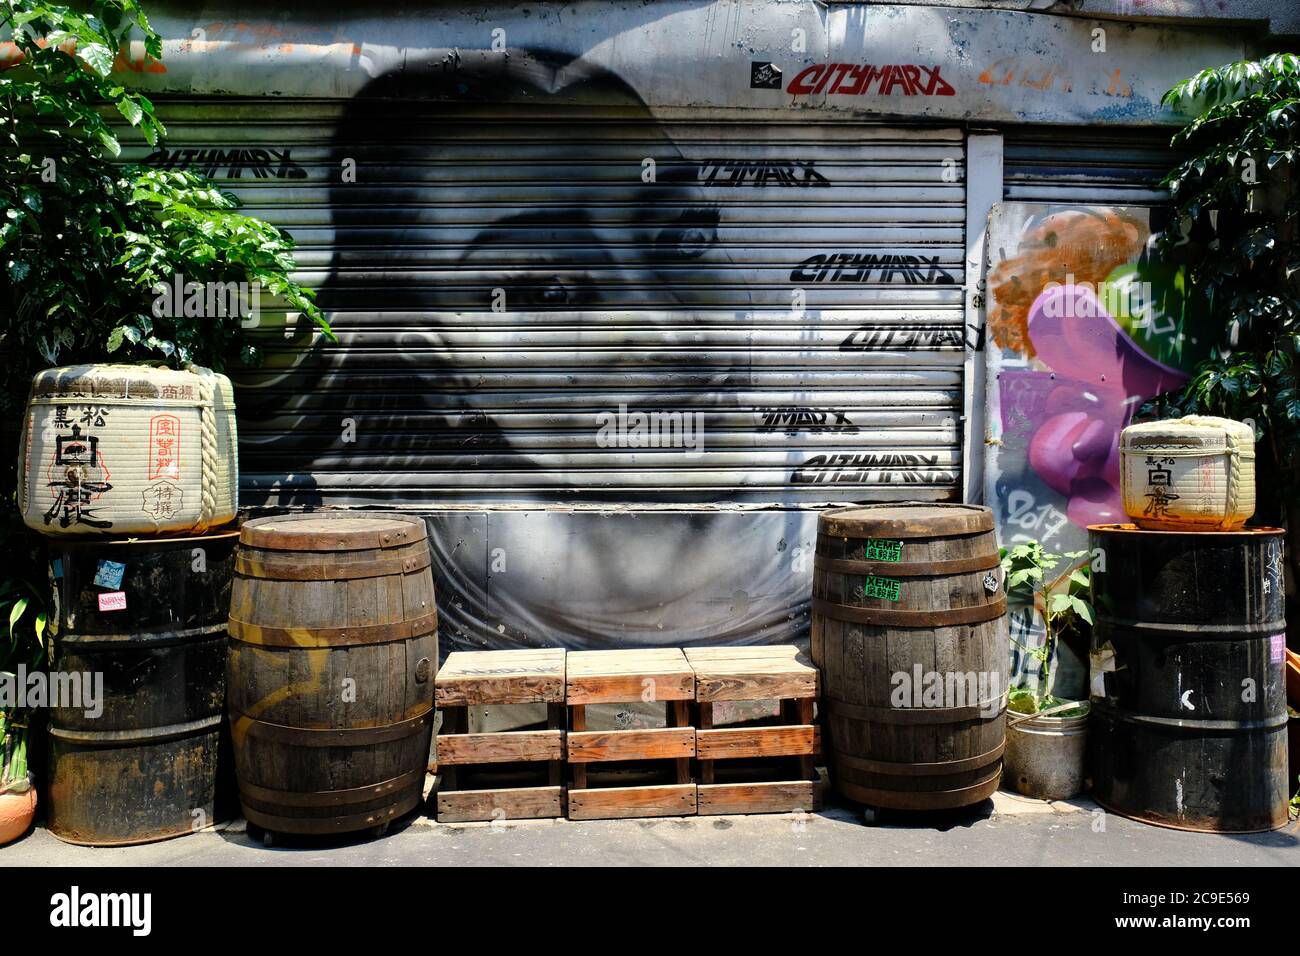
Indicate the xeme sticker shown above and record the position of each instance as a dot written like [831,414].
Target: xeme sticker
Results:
[882,549]
[884,588]
[1278,648]
[112,601]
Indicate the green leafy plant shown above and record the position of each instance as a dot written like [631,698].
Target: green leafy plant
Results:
[22,644]
[1060,600]
[1236,206]
[87,243]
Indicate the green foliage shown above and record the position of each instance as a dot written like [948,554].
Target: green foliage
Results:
[1239,211]
[23,637]
[1061,600]
[83,243]
[83,240]
[13,753]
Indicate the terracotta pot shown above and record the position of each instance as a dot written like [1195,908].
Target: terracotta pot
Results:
[16,813]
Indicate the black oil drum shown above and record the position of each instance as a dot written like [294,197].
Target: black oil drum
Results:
[150,617]
[1188,701]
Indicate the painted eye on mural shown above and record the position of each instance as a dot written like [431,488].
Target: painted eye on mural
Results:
[554,291]
[691,235]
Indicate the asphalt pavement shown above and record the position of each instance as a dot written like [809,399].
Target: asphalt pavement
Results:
[1007,831]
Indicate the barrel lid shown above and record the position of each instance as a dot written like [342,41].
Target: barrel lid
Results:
[906,520]
[340,531]
[144,541]
[1194,532]
[1192,430]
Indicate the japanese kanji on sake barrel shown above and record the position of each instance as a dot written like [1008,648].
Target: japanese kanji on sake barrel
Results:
[127,449]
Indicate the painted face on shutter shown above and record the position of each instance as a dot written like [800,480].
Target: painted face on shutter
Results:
[541,234]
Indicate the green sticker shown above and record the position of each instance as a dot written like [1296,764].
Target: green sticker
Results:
[883,549]
[884,588]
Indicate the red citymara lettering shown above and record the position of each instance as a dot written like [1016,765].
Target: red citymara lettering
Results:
[857,79]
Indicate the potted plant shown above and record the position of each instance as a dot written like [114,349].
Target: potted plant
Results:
[22,651]
[1047,735]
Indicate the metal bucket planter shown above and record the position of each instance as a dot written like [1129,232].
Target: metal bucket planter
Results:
[1045,754]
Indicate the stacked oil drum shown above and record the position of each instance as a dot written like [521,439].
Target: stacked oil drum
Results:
[1189,717]
[131,472]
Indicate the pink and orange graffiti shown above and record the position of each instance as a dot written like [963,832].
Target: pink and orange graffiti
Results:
[1090,360]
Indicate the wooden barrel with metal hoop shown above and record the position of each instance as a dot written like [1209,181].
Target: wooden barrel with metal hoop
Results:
[333,650]
[909,629]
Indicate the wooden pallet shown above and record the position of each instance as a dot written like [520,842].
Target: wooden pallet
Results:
[623,677]
[776,673]
[476,678]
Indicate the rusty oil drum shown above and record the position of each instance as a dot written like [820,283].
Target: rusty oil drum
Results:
[333,651]
[1189,717]
[149,615]
[1188,701]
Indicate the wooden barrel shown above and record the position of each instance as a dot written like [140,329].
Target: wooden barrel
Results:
[148,619]
[333,650]
[909,629]
[1189,720]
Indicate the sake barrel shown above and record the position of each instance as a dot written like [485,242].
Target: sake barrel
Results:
[909,628]
[1188,474]
[128,449]
[1189,720]
[333,650]
[140,632]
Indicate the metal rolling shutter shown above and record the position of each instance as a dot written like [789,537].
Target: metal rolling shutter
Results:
[666,296]
[1116,167]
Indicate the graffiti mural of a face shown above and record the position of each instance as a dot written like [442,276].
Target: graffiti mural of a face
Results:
[602,245]
[606,235]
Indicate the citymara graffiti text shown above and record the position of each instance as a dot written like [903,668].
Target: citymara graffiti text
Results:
[793,420]
[760,172]
[261,163]
[865,339]
[904,468]
[856,79]
[869,267]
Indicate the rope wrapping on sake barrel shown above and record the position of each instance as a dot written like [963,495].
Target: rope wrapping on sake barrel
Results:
[207,448]
[1234,478]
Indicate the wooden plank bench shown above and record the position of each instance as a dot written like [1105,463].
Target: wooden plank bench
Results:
[624,677]
[772,673]
[477,678]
